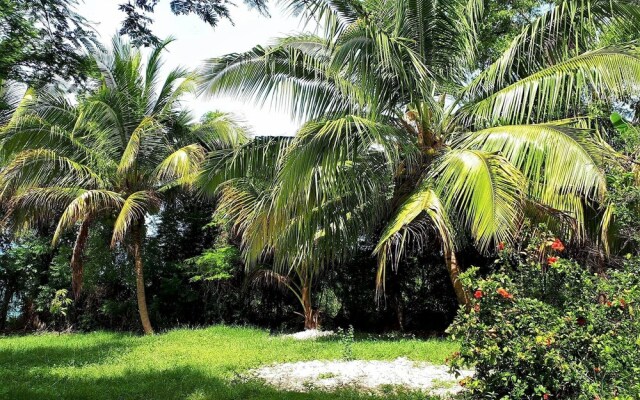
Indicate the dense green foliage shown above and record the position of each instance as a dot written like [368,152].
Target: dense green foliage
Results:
[185,364]
[437,137]
[551,328]
[44,41]
[405,147]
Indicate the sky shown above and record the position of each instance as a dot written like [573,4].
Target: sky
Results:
[196,41]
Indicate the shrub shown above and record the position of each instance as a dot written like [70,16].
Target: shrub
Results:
[551,330]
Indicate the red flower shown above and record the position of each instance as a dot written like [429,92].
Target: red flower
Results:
[609,304]
[502,292]
[581,321]
[545,396]
[552,260]
[623,303]
[500,246]
[478,294]
[557,245]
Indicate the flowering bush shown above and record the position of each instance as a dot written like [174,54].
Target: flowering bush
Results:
[551,331]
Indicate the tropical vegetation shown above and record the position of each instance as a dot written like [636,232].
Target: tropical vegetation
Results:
[551,328]
[468,153]
[463,164]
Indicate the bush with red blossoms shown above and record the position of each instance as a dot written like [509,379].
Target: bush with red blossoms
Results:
[551,331]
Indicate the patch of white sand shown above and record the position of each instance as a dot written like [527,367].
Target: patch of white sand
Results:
[309,334]
[368,375]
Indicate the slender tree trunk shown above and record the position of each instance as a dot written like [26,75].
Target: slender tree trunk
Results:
[396,301]
[77,261]
[454,273]
[4,307]
[310,315]
[140,290]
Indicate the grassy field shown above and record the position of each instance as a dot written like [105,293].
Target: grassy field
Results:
[181,364]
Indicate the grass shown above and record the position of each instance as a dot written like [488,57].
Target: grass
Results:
[190,364]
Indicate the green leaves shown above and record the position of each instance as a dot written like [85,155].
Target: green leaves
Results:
[482,191]
[133,210]
[110,154]
[407,223]
[560,89]
[88,204]
[388,113]
[485,192]
[561,163]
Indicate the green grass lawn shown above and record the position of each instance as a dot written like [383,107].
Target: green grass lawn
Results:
[181,364]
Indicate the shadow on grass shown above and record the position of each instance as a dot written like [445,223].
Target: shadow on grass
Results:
[84,373]
[372,337]
[177,383]
[61,356]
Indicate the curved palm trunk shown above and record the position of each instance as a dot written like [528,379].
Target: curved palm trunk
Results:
[140,290]
[77,262]
[454,273]
[310,315]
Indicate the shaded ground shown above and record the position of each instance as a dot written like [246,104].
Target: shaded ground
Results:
[182,364]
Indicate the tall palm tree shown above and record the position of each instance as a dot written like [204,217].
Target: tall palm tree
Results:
[486,147]
[115,156]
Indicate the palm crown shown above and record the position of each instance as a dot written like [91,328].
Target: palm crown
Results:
[470,152]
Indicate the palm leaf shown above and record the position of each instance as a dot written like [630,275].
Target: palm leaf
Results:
[561,89]
[484,191]
[89,202]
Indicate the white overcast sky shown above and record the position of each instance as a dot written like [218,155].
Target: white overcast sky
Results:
[197,41]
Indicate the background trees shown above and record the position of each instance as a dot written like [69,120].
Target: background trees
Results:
[45,40]
[406,149]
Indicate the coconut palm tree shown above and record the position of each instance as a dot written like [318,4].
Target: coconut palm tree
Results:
[115,156]
[297,246]
[487,147]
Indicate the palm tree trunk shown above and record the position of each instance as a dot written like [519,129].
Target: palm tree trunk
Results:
[310,315]
[77,262]
[454,273]
[4,307]
[140,290]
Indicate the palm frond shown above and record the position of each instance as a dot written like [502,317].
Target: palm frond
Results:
[88,203]
[410,222]
[43,167]
[561,89]
[484,192]
[134,209]
[556,159]
[568,29]
[181,163]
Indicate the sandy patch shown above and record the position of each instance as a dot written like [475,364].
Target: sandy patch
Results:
[369,375]
[309,334]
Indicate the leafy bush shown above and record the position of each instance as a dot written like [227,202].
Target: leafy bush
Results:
[551,330]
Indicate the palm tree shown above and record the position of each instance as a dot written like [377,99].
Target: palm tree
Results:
[485,148]
[298,246]
[115,156]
